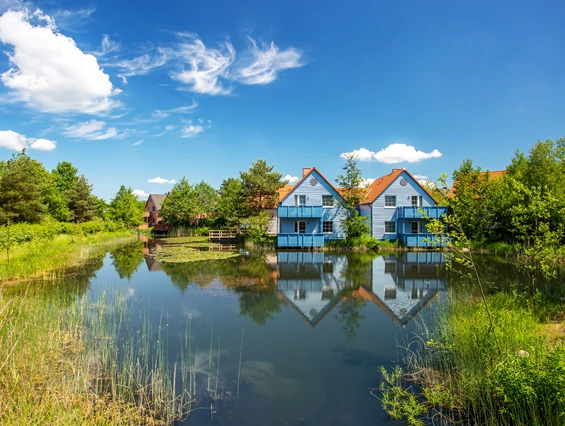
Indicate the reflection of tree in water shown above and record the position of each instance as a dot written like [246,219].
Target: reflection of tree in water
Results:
[127,258]
[260,307]
[349,314]
[359,267]
[186,274]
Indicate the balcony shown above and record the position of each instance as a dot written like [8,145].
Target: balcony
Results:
[409,212]
[299,212]
[421,240]
[300,240]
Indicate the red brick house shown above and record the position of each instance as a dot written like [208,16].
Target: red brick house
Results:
[151,216]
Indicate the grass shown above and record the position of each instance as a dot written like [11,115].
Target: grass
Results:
[471,373]
[64,361]
[42,257]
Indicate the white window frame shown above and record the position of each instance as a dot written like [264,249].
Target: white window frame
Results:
[393,197]
[298,200]
[299,226]
[390,232]
[418,227]
[331,225]
[326,197]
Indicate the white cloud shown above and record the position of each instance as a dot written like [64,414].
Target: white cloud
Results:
[73,20]
[361,154]
[161,180]
[163,113]
[140,65]
[394,153]
[190,130]
[93,130]
[140,193]
[291,179]
[47,69]
[366,182]
[420,177]
[107,46]
[260,65]
[204,69]
[12,140]
[137,143]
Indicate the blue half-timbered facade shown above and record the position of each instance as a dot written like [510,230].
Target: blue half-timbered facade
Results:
[311,213]
[399,207]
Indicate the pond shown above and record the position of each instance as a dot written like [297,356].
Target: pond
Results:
[286,338]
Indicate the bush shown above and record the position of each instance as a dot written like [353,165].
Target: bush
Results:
[92,227]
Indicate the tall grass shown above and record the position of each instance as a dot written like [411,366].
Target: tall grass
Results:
[71,362]
[469,372]
[40,257]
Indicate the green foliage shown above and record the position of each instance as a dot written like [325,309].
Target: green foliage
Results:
[23,184]
[229,204]
[397,401]
[259,306]
[186,204]
[259,186]
[126,259]
[81,202]
[353,194]
[125,208]
[257,227]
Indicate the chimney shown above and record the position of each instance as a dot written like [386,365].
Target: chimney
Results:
[305,171]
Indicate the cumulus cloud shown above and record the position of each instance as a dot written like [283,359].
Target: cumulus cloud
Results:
[420,177]
[93,130]
[12,140]
[161,180]
[261,64]
[394,153]
[204,70]
[291,179]
[47,69]
[191,130]
[366,182]
[140,193]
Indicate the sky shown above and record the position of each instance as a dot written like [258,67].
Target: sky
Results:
[143,93]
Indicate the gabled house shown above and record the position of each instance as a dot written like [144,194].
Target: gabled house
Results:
[151,216]
[399,207]
[309,213]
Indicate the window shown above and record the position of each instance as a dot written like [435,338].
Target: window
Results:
[299,200]
[153,208]
[390,227]
[416,201]
[390,200]
[327,201]
[415,227]
[390,267]
[327,227]
[300,227]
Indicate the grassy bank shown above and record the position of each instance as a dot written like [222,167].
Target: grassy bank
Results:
[70,362]
[472,371]
[43,256]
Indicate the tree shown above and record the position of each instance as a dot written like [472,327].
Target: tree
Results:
[352,192]
[82,203]
[259,188]
[205,200]
[23,183]
[65,176]
[179,207]
[125,208]
[229,209]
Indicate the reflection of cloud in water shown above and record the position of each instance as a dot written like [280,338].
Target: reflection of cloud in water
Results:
[192,313]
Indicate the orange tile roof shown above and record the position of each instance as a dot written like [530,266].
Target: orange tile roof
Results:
[492,175]
[382,183]
[284,191]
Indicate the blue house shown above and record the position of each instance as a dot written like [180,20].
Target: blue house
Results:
[399,207]
[310,213]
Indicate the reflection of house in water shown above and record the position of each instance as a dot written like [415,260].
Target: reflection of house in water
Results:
[402,286]
[311,282]
[150,246]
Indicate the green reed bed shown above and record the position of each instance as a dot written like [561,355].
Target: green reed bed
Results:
[465,371]
[40,257]
[71,362]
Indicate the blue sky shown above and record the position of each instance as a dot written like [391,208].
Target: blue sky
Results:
[133,91]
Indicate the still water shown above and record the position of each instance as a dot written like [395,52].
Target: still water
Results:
[288,338]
